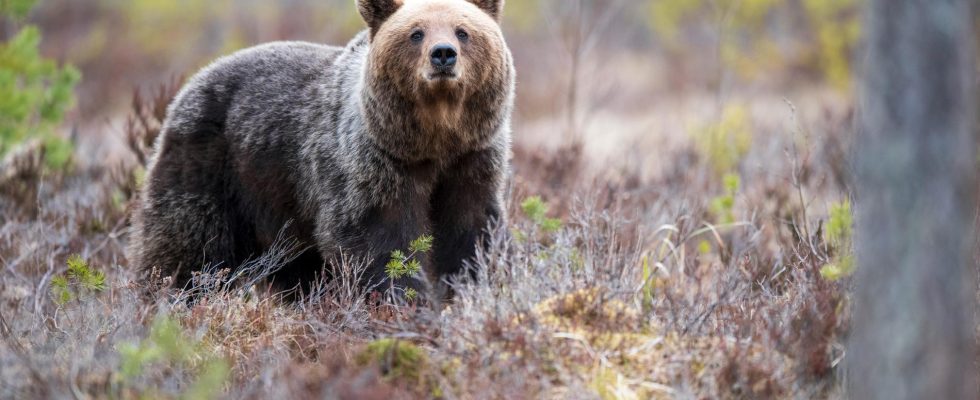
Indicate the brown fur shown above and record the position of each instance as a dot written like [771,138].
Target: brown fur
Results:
[399,75]
[363,148]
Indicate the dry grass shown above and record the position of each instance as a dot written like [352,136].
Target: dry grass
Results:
[643,292]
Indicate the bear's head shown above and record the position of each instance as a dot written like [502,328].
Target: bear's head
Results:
[443,61]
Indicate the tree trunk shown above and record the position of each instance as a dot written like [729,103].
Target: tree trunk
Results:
[913,335]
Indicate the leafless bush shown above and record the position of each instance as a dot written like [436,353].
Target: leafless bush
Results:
[146,117]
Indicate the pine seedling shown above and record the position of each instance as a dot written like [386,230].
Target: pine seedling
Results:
[536,210]
[402,265]
[80,278]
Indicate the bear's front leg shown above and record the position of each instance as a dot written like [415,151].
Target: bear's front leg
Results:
[466,200]
[375,219]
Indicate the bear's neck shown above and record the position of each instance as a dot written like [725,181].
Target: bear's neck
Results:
[420,129]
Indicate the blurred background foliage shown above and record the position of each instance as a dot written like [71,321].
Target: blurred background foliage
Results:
[36,90]
[754,36]
[696,118]
[579,61]
[574,57]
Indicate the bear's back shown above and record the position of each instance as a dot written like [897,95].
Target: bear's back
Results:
[240,123]
[253,88]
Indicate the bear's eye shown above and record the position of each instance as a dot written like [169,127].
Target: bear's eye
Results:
[417,36]
[462,35]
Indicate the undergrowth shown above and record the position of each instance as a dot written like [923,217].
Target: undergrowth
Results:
[714,279]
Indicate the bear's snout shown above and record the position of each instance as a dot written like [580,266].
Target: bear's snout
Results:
[443,57]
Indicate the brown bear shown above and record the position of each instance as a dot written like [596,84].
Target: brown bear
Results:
[356,150]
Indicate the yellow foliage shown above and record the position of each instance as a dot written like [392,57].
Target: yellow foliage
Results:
[401,359]
[666,16]
[148,18]
[838,238]
[727,141]
[222,26]
[611,385]
[523,15]
[734,21]
[752,12]
[760,56]
[744,41]
[842,268]
[584,309]
[837,29]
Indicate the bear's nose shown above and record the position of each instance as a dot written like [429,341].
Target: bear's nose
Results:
[443,56]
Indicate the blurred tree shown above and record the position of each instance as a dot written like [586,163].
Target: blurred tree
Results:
[579,26]
[36,91]
[914,329]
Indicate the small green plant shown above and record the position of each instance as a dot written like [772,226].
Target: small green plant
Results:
[704,247]
[840,225]
[723,207]
[168,344]
[840,269]
[399,359]
[648,283]
[837,236]
[537,211]
[36,92]
[210,381]
[165,342]
[423,244]
[724,143]
[611,385]
[16,8]
[404,265]
[79,280]
[837,30]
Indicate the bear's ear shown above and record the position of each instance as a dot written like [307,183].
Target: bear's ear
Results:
[376,12]
[493,7]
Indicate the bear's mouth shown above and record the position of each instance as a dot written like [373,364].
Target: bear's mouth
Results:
[442,76]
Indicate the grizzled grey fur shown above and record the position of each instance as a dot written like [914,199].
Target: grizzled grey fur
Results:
[323,137]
